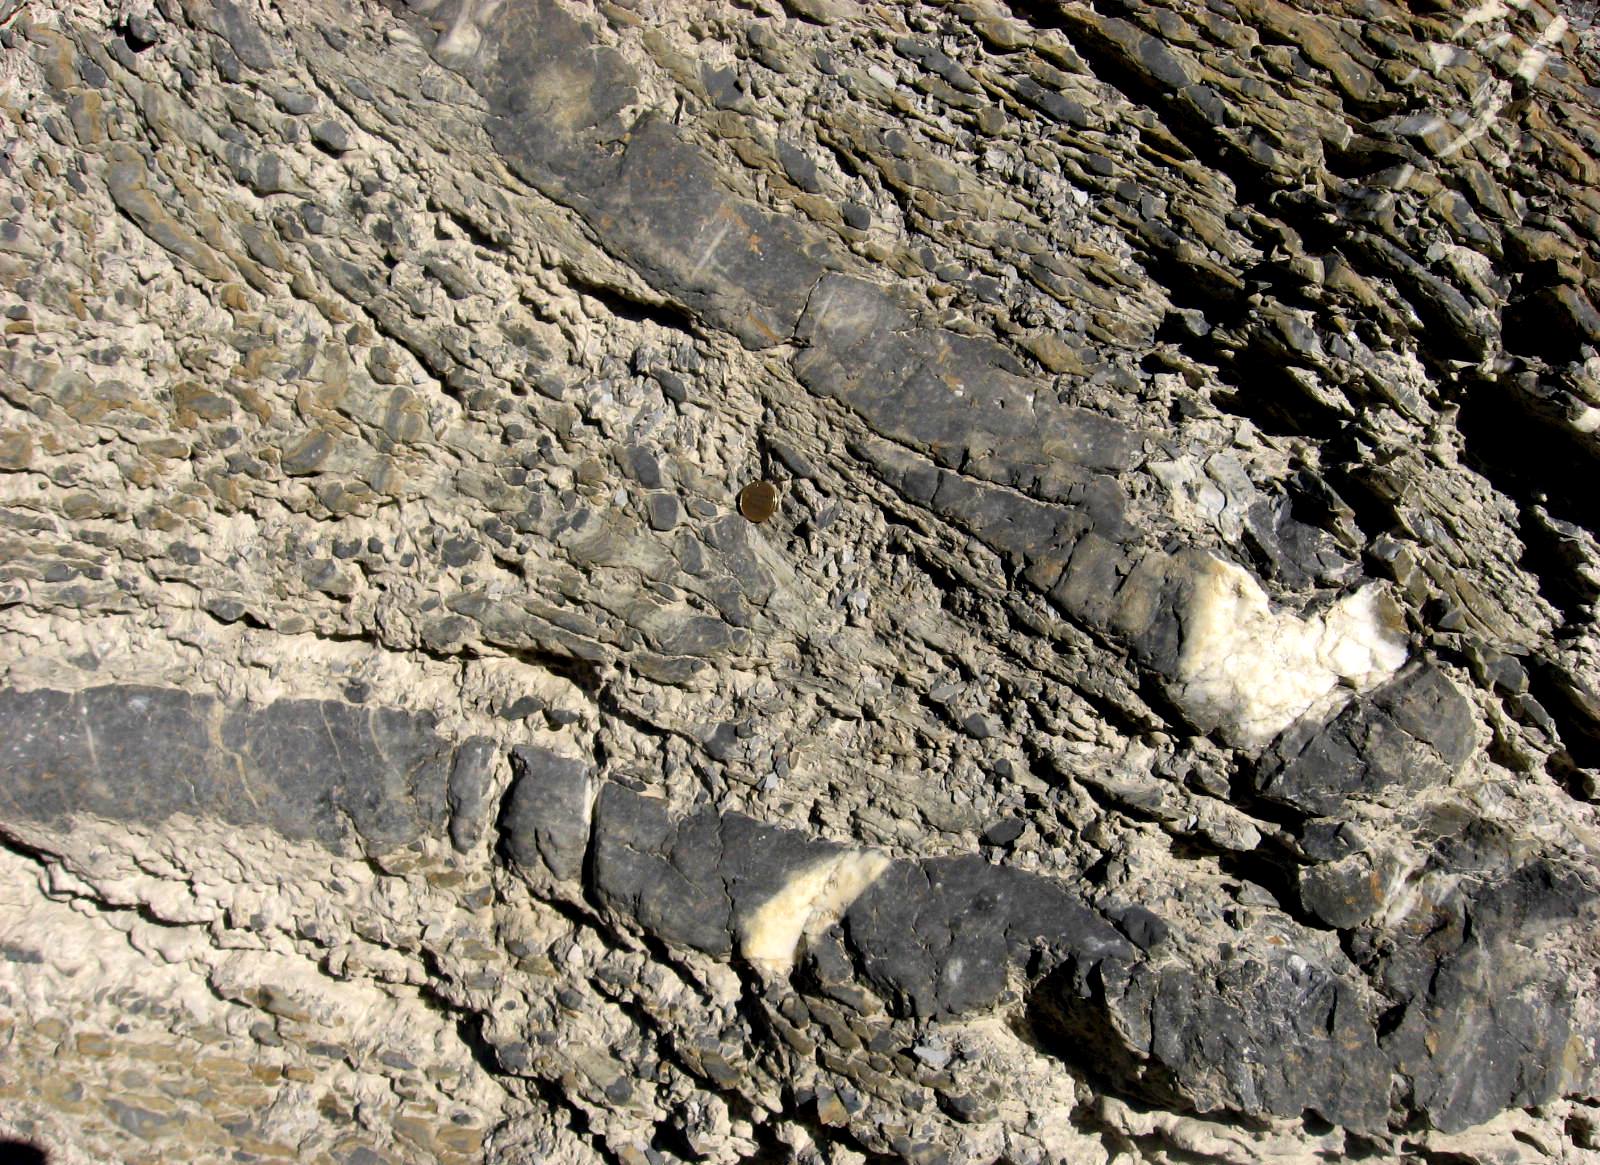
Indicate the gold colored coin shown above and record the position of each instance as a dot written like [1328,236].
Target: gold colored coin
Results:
[758,501]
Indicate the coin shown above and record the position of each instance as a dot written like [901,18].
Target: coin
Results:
[758,501]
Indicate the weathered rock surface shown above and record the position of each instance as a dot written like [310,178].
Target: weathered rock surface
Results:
[1157,719]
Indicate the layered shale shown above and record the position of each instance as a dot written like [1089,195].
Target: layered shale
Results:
[679,580]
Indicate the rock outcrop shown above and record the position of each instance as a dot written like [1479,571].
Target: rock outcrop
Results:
[676,580]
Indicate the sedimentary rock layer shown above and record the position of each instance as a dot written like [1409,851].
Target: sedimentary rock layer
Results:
[1146,706]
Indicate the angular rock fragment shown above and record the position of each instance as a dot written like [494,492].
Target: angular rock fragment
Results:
[468,791]
[1279,1035]
[545,818]
[941,937]
[1479,1023]
[1411,732]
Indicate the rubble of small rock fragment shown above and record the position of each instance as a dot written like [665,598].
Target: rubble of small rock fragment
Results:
[653,581]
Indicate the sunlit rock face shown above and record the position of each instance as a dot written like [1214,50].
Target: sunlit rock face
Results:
[802,581]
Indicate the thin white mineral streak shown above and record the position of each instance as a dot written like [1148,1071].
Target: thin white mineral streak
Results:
[810,902]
